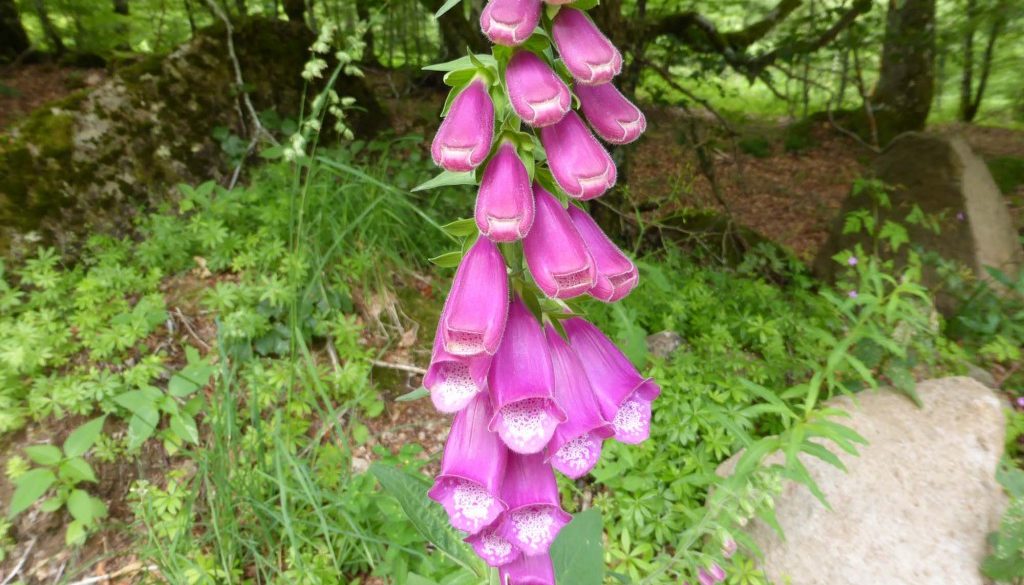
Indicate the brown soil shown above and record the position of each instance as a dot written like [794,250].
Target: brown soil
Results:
[27,87]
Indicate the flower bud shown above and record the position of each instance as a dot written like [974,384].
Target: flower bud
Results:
[557,256]
[504,203]
[580,165]
[464,139]
[510,22]
[538,96]
[613,117]
[617,276]
[591,58]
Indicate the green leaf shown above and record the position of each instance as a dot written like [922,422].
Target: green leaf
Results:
[76,470]
[461,228]
[426,516]
[30,487]
[577,552]
[136,401]
[415,579]
[82,439]
[446,7]
[447,179]
[585,5]
[416,394]
[185,428]
[139,430]
[75,533]
[461,63]
[44,454]
[448,260]
[51,505]
[80,506]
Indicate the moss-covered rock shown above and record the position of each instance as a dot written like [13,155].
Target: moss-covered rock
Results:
[87,162]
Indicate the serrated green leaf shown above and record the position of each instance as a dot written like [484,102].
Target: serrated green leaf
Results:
[84,437]
[426,516]
[30,487]
[44,454]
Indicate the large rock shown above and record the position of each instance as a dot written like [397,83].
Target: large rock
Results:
[942,176]
[913,509]
[84,163]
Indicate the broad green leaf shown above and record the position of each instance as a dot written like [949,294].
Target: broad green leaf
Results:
[139,430]
[185,428]
[577,552]
[44,454]
[51,505]
[461,228]
[461,63]
[30,487]
[75,533]
[447,179]
[82,439]
[80,506]
[76,469]
[136,401]
[428,517]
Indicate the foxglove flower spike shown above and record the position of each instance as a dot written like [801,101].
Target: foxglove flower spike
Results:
[521,385]
[504,203]
[474,314]
[557,256]
[617,276]
[534,515]
[472,470]
[464,139]
[580,165]
[538,96]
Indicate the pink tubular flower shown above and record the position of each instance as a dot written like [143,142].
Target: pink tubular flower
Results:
[729,548]
[521,385]
[617,276]
[611,115]
[452,380]
[504,203]
[717,573]
[535,570]
[581,166]
[474,315]
[492,547]
[557,256]
[537,94]
[464,139]
[705,578]
[472,470]
[534,515]
[510,22]
[624,395]
[590,57]
[576,446]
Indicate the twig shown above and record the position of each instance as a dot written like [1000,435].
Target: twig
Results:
[21,563]
[667,77]
[130,569]
[402,367]
[332,352]
[258,129]
[192,332]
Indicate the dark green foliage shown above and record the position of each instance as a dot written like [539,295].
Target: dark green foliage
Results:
[1008,171]
[757,146]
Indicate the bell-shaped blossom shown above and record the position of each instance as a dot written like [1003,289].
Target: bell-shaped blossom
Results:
[576,446]
[580,165]
[464,139]
[454,380]
[617,276]
[534,515]
[492,547]
[538,95]
[474,315]
[624,395]
[521,385]
[556,254]
[610,114]
[504,203]
[472,470]
[535,570]
[591,58]
[510,22]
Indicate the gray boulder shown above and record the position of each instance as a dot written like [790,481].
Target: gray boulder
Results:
[942,176]
[913,509]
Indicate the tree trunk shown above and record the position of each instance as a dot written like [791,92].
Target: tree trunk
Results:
[295,10]
[970,100]
[370,51]
[13,40]
[967,76]
[48,29]
[906,81]
[458,33]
